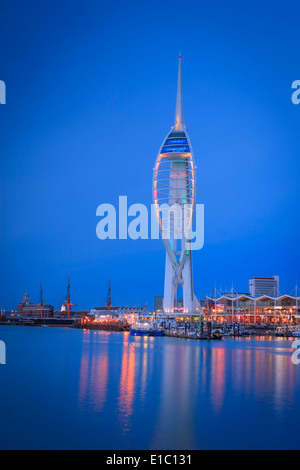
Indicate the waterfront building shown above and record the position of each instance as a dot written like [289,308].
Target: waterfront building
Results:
[27,308]
[128,314]
[259,286]
[245,309]
[158,303]
[174,184]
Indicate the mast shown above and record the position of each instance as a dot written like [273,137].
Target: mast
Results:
[232,290]
[297,301]
[68,301]
[41,304]
[210,304]
[179,115]
[109,296]
[215,296]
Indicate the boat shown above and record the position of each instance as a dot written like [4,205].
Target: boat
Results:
[226,333]
[235,333]
[246,333]
[146,329]
[157,332]
[140,329]
[296,334]
[217,334]
[284,332]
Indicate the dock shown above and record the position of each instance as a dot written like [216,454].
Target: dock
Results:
[102,326]
[194,337]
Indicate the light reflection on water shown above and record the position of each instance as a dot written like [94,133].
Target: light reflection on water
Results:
[112,391]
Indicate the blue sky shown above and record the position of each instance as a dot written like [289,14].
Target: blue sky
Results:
[91,90]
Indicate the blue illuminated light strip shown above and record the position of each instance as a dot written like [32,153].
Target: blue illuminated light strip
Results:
[177,134]
[179,149]
[176,141]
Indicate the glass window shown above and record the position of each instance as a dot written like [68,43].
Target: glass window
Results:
[176,141]
[178,149]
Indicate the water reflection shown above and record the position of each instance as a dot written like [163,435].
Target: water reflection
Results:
[217,383]
[94,370]
[126,387]
[183,392]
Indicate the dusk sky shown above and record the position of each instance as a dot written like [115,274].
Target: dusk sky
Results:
[91,90]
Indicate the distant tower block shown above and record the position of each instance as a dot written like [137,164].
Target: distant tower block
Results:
[174,183]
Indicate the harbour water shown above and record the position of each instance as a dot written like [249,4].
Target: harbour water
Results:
[67,389]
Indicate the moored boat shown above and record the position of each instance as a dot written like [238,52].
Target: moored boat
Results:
[158,332]
[146,329]
[246,333]
[217,334]
[140,329]
[279,333]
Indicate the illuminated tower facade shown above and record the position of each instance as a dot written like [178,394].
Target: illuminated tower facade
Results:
[174,187]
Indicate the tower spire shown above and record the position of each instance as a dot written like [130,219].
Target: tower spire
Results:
[179,116]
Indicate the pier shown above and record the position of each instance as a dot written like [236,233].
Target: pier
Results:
[103,326]
[195,337]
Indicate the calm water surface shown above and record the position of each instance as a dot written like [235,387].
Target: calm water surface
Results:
[65,388]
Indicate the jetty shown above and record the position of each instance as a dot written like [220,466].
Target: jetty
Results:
[115,326]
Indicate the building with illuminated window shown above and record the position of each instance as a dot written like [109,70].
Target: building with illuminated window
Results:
[31,309]
[117,313]
[259,286]
[158,303]
[245,309]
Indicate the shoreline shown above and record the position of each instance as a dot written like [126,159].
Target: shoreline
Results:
[126,329]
